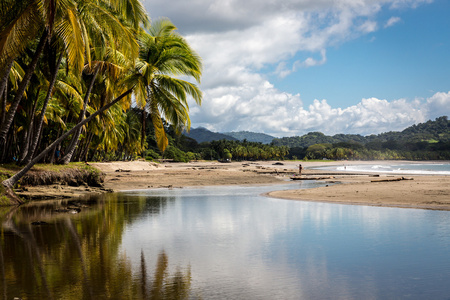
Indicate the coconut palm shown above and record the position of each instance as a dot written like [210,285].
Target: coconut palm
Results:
[19,23]
[98,23]
[80,24]
[163,57]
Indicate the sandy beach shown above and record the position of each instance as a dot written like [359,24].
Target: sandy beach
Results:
[390,190]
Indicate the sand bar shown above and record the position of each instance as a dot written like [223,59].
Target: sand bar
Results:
[418,191]
[390,190]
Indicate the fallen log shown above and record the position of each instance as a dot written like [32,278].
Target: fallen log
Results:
[311,178]
[393,179]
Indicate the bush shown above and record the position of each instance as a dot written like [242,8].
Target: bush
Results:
[151,154]
[175,154]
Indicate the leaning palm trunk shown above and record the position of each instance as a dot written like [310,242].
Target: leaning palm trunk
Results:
[37,134]
[20,91]
[9,183]
[76,136]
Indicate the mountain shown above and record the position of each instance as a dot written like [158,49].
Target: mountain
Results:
[201,135]
[251,136]
[430,132]
[313,138]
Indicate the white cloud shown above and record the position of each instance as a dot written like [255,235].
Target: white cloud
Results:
[439,105]
[368,26]
[282,114]
[392,21]
[241,41]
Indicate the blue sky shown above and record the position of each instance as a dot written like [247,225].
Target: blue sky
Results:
[289,67]
[406,60]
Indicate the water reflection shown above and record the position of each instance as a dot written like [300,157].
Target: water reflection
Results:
[222,242]
[243,246]
[46,252]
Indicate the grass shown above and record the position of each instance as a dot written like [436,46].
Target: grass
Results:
[12,168]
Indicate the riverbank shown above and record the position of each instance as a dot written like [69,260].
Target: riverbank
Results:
[414,191]
[418,191]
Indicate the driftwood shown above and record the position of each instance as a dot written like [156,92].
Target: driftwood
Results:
[310,178]
[393,179]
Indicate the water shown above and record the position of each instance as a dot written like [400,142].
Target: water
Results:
[403,168]
[224,243]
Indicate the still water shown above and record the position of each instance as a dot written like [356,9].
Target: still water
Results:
[222,243]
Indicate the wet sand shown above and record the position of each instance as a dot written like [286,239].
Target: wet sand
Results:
[390,190]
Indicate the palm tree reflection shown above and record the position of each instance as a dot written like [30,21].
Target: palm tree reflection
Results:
[79,258]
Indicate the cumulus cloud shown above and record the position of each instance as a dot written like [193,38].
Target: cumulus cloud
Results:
[283,114]
[438,105]
[392,21]
[243,41]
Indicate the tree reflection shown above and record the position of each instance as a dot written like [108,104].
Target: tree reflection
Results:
[163,285]
[78,256]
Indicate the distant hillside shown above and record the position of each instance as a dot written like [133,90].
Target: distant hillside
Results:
[313,138]
[251,136]
[201,135]
[431,132]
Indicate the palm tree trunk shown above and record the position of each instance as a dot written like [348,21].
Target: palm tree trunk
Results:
[28,132]
[73,144]
[5,75]
[143,135]
[86,148]
[3,99]
[20,91]
[35,140]
[10,182]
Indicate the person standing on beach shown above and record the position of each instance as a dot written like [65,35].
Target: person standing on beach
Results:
[300,169]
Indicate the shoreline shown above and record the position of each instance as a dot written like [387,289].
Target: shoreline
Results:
[356,188]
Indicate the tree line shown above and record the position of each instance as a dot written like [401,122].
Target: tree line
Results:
[72,73]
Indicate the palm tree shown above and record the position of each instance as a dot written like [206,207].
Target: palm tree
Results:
[163,56]
[20,22]
[9,183]
[80,24]
[104,28]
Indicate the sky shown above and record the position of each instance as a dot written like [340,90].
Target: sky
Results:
[289,67]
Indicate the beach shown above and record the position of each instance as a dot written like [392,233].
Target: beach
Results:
[357,188]
[389,190]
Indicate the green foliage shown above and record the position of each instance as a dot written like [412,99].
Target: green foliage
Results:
[151,154]
[427,141]
[431,131]
[227,154]
[176,154]
[242,150]
[202,135]
[251,136]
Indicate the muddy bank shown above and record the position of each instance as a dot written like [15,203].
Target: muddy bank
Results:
[63,182]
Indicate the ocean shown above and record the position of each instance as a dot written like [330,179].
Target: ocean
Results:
[438,168]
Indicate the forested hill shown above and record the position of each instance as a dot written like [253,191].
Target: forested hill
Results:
[251,136]
[201,135]
[430,132]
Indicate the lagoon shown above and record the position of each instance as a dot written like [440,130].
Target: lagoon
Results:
[223,243]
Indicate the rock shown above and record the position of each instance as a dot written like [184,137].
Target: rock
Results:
[73,182]
[39,223]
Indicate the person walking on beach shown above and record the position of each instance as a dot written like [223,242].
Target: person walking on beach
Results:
[300,169]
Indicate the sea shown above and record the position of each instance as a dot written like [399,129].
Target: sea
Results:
[435,168]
